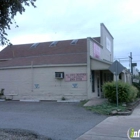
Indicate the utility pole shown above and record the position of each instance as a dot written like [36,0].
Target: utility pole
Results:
[131,62]
[131,66]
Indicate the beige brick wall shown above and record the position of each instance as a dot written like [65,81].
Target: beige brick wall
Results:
[22,82]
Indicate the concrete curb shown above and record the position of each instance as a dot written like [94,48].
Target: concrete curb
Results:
[131,108]
[1,100]
[68,101]
[29,100]
[59,101]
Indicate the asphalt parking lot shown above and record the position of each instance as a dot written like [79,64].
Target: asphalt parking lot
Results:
[59,121]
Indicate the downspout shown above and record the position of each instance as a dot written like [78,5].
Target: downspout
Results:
[32,77]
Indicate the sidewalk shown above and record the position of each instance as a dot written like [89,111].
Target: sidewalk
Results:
[95,101]
[114,127]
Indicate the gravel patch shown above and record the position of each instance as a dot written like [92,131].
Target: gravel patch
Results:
[14,134]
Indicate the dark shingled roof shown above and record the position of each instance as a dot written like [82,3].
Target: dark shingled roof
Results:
[43,53]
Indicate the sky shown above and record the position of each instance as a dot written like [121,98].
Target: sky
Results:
[73,19]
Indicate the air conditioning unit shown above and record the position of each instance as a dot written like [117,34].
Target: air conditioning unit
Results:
[59,75]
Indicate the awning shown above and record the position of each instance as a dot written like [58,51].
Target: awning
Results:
[97,64]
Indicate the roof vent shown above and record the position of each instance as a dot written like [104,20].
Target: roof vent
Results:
[53,43]
[34,45]
[74,42]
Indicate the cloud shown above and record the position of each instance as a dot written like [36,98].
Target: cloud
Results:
[70,19]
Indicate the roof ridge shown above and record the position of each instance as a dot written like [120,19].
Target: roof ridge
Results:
[48,41]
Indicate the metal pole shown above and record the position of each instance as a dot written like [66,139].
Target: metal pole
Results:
[117,84]
[117,90]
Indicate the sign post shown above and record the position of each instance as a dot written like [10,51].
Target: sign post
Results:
[116,68]
[117,90]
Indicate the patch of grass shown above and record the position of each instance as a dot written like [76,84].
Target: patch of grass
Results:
[83,102]
[105,108]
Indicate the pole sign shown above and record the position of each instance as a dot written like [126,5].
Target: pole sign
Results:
[116,68]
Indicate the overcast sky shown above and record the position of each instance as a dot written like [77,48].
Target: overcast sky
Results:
[71,19]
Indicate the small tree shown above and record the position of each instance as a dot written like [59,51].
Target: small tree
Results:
[8,10]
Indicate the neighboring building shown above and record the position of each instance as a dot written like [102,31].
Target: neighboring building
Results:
[125,76]
[135,71]
[74,69]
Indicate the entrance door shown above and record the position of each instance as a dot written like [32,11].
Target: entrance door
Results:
[98,86]
[93,89]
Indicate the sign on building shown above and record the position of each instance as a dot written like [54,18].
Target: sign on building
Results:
[95,50]
[75,85]
[36,86]
[75,77]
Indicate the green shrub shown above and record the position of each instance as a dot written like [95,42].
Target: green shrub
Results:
[137,85]
[126,92]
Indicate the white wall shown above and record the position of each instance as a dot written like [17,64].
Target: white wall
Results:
[22,82]
[107,43]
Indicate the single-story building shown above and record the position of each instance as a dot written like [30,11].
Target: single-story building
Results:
[73,69]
